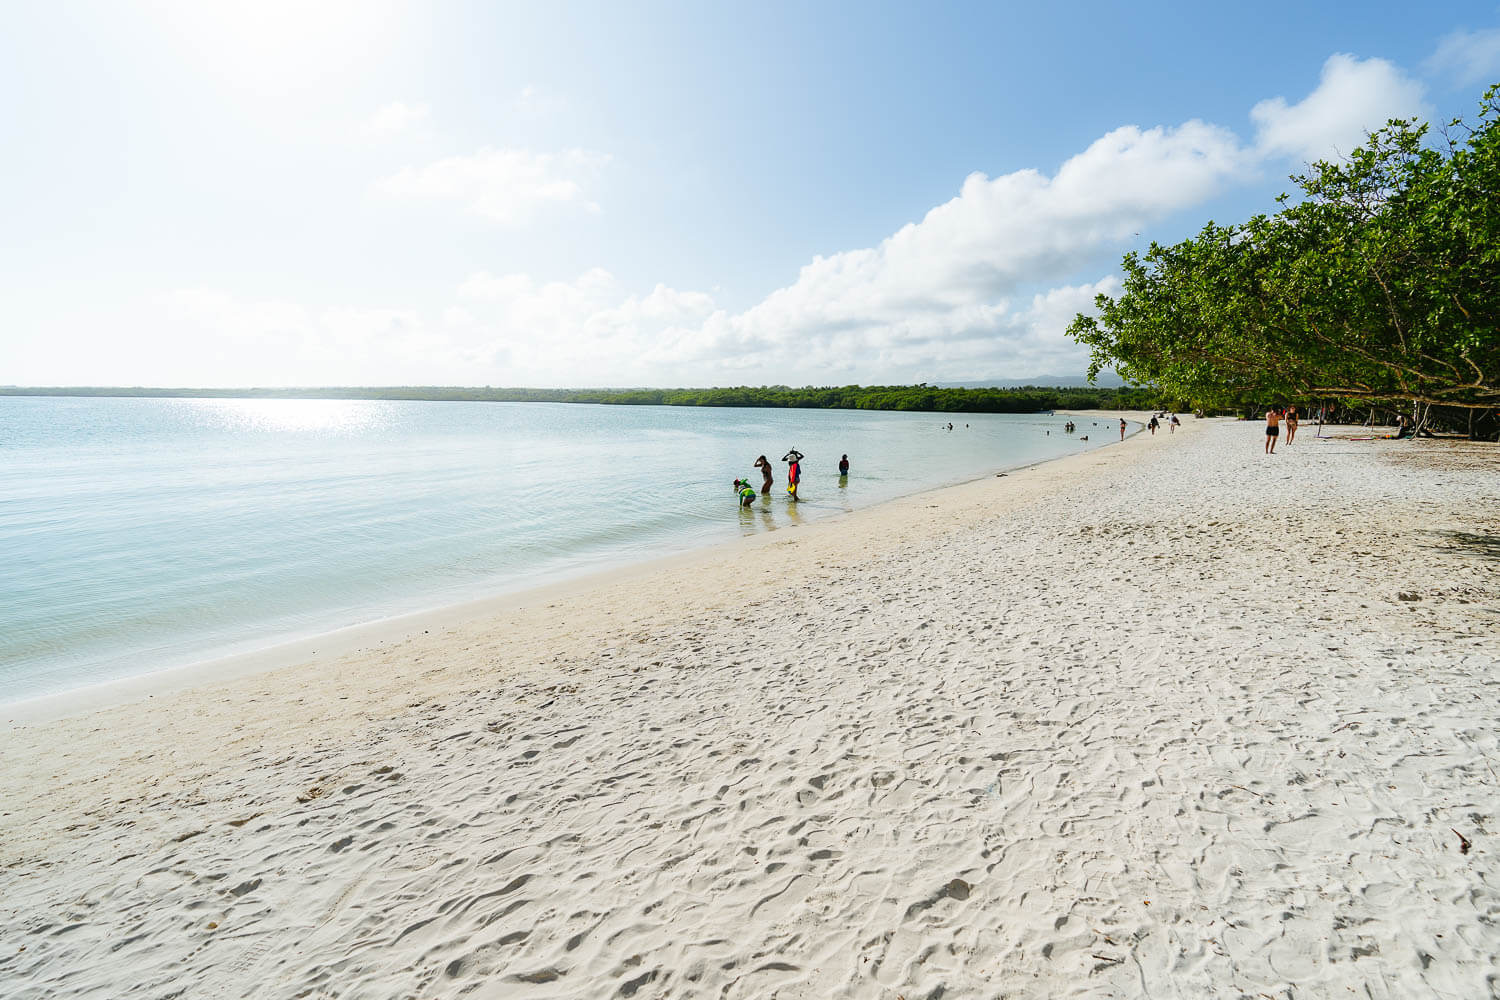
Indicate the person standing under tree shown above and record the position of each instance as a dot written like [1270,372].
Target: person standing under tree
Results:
[1273,429]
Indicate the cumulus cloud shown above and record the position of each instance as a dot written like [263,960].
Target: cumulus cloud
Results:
[590,327]
[1467,57]
[949,293]
[1353,98]
[503,185]
[984,284]
[395,117]
[940,298]
[973,286]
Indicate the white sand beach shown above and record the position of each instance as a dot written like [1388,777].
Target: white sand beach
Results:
[1169,719]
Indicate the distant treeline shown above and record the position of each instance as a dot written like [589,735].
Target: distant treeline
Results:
[1027,399]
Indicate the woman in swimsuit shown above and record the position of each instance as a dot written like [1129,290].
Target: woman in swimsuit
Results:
[1291,423]
[765,470]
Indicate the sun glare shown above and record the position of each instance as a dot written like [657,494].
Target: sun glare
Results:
[273,47]
[331,416]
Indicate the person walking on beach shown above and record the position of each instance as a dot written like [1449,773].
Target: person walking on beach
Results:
[1172,424]
[1122,428]
[1153,425]
[793,471]
[764,465]
[1291,424]
[1273,429]
[843,466]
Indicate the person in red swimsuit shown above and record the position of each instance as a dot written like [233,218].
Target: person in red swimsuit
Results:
[793,471]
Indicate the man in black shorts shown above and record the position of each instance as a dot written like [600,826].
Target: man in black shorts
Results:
[1273,429]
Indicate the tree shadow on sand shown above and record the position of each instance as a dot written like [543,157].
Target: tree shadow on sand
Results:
[1485,545]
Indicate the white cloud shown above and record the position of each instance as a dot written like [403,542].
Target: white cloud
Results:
[1467,57]
[274,342]
[940,294]
[503,185]
[1352,99]
[395,117]
[983,284]
[534,100]
[947,296]
[979,285]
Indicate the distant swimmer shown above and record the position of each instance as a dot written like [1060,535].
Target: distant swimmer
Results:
[793,459]
[843,465]
[1084,438]
[746,492]
[764,465]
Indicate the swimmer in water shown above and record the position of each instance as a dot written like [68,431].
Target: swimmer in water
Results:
[843,465]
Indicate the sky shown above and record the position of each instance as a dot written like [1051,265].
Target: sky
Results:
[358,192]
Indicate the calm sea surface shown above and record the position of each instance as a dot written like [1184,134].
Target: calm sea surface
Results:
[139,534]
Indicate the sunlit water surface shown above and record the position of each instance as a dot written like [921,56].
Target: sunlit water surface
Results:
[139,534]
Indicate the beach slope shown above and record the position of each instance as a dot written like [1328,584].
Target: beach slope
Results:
[1173,718]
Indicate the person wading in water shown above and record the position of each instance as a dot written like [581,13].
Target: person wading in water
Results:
[764,465]
[793,471]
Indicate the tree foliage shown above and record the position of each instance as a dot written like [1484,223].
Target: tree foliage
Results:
[1381,284]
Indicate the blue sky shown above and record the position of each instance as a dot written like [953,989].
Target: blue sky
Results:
[280,193]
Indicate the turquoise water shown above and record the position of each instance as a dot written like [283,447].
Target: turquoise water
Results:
[139,534]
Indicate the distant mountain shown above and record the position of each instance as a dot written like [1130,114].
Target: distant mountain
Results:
[1106,380]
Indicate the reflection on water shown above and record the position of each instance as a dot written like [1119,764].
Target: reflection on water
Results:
[327,416]
[140,533]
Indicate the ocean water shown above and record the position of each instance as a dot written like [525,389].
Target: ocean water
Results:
[141,534]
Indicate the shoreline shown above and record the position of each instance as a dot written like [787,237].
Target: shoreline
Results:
[1175,718]
[324,645]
